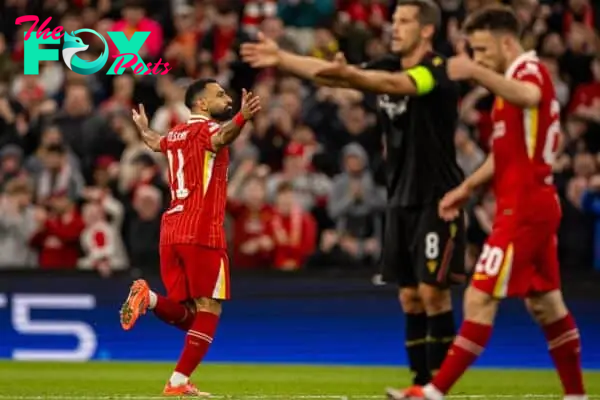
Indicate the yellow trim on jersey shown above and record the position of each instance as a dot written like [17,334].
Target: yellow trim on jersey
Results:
[501,287]
[206,172]
[423,78]
[531,116]
[222,282]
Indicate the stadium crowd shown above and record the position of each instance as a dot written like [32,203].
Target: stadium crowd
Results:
[78,188]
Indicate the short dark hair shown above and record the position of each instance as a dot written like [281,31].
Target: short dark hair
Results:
[195,90]
[429,11]
[495,18]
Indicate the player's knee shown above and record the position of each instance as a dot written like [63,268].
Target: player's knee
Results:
[435,300]
[204,304]
[546,308]
[410,301]
[479,306]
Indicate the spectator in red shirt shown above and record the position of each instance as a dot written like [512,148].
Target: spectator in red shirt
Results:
[57,238]
[294,230]
[586,99]
[252,239]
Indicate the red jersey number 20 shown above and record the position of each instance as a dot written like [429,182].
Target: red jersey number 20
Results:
[177,174]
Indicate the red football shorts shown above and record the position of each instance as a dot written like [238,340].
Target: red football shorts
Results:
[191,271]
[518,261]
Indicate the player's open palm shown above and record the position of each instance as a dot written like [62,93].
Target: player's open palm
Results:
[250,104]
[140,118]
[452,202]
[263,53]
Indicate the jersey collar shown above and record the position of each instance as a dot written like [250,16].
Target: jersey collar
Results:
[527,56]
[197,118]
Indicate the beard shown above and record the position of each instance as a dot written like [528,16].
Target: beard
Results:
[222,115]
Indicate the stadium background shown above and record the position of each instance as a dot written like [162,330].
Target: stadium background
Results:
[67,143]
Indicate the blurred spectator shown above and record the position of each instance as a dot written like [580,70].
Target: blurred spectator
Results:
[174,111]
[256,12]
[51,136]
[101,242]
[252,240]
[57,175]
[134,20]
[309,187]
[11,157]
[121,99]
[17,224]
[57,236]
[294,231]
[355,204]
[469,156]
[143,230]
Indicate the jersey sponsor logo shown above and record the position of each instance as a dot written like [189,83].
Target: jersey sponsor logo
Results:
[393,108]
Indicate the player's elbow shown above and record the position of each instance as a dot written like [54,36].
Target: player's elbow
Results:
[529,96]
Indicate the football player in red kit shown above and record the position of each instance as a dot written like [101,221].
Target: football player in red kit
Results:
[520,257]
[194,263]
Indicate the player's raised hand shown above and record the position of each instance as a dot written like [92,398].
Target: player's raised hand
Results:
[460,68]
[263,53]
[452,202]
[140,118]
[250,104]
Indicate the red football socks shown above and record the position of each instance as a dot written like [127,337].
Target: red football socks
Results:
[565,349]
[467,346]
[173,313]
[197,342]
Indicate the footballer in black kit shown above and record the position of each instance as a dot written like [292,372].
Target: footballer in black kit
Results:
[421,167]
[419,110]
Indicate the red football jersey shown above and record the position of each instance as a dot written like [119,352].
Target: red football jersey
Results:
[525,143]
[198,183]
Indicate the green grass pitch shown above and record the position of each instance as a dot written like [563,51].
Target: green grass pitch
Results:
[138,381]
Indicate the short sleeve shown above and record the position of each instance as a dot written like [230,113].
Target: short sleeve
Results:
[429,74]
[205,133]
[530,72]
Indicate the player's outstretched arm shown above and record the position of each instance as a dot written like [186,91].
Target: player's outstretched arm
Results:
[150,137]
[231,129]
[415,81]
[520,93]
[265,53]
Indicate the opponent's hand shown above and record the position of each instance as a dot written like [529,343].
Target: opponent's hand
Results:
[263,53]
[460,68]
[452,202]
[338,71]
[139,118]
[250,104]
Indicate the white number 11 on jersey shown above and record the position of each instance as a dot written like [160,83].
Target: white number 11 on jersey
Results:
[178,189]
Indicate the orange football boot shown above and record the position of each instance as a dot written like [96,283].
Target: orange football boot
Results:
[412,393]
[185,390]
[136,304]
